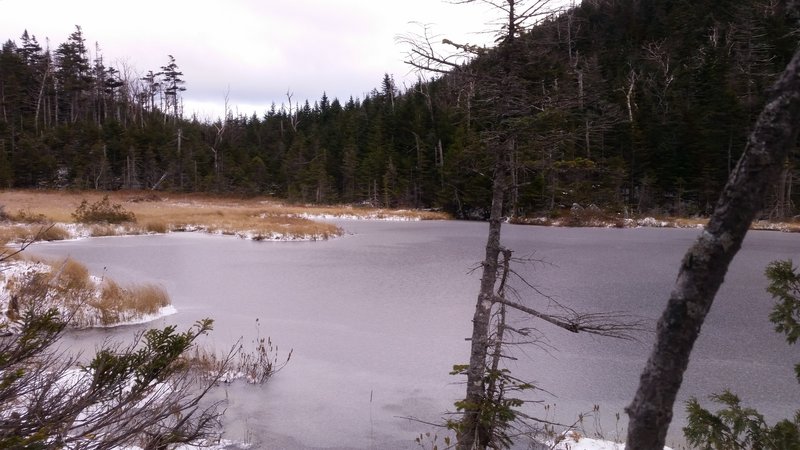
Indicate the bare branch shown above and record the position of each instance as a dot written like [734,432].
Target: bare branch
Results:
[423,53]
[602,324]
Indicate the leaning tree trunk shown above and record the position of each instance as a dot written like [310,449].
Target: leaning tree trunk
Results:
[473,433]
[705,264]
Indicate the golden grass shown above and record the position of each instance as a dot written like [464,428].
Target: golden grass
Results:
[52,233]
[69,287]
[117,303]
[20,233]
[27,216]
[367,212]
[13,233]
[260,218]
[156,226]
[71,276]
[66,285]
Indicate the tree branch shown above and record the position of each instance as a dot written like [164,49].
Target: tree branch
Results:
[602,324]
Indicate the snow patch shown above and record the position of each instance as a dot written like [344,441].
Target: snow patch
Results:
[372,216]
[652,222]
[573,440]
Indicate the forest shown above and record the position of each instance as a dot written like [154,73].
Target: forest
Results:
[634,107]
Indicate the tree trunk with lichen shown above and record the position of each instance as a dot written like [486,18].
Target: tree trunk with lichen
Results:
[705,264]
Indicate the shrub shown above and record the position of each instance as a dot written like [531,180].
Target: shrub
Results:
[102,211]
[136,396]
[28,216]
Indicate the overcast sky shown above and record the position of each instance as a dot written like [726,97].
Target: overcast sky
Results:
[258,49]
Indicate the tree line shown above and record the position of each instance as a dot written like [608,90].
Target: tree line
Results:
[640,109]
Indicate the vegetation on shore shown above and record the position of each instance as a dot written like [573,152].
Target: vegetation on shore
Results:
[63,214]
[148,394]
[58,215]
[80,299]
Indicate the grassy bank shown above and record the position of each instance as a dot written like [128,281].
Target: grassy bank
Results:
[27,211]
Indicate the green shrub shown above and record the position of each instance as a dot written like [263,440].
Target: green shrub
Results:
[735,426]
[102,211]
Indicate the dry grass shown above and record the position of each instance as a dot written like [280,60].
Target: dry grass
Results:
[105,230]
[255,365]
[14,233]
[27,216]
[117,304]
[366,212]
[20,233]
[52,233]
[68,286]
[260,218]
[156,227]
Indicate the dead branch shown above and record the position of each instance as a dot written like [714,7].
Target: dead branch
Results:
[423,55]
[602,324]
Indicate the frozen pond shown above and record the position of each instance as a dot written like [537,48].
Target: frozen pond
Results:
[377,319]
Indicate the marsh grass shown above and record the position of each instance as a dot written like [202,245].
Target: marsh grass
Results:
[259,218]
[117,304]
[27,216]
[154,226]
[51,233]
[68,286]
[357,211]
[106,230]
[26,232]
[256,364]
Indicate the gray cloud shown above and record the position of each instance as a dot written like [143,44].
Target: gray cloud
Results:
[257,49]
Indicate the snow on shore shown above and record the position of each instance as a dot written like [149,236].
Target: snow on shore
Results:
[573,440]
[79,231]
[16,271]
[373,216]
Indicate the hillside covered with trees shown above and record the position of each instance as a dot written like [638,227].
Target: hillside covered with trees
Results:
[632,106]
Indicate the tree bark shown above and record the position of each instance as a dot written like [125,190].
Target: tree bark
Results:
[705,264]
[473,433]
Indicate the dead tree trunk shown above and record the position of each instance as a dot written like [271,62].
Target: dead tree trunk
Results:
[705,264]
[472,432]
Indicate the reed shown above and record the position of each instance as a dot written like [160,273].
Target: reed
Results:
[117,304]
[87,301]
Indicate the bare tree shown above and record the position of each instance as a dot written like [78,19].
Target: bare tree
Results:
[294,119]
[221,125]
[705,264]
[501,101]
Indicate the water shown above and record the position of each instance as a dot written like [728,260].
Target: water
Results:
[377,318]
